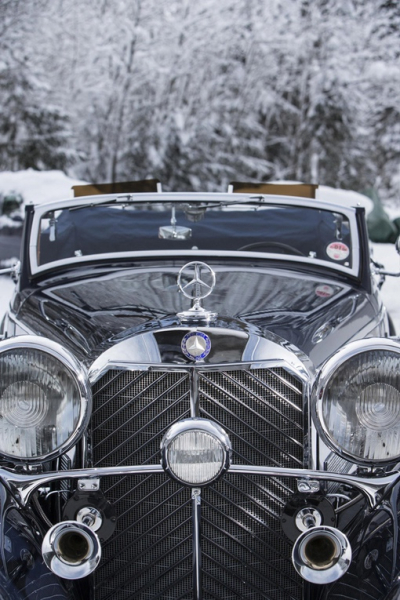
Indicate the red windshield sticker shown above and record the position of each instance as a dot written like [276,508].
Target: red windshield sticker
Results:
[324,291]
[337,251]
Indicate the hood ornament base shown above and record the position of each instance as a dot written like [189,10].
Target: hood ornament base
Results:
[197,316]
[200,283]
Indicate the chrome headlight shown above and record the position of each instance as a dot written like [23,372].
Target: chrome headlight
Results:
[45,399]
[195,452]
[358,401]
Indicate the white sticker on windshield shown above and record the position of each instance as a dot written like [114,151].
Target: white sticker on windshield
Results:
[324,291]
[337,251]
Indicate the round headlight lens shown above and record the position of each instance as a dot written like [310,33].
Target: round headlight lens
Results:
[44,401]
[196,457]
[360,406]
[196,451]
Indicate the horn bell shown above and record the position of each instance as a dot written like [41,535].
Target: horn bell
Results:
[71,550]
[321,554]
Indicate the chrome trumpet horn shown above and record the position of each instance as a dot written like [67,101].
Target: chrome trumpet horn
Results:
[71,550]
[321,554]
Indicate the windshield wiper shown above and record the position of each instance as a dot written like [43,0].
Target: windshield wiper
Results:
[129,199]
[124,199]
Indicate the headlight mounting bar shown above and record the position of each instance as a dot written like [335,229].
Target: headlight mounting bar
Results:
[23,485]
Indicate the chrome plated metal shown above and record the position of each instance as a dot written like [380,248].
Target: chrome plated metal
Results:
[90,516]
[193,198]
[78,373]
[196,424]
[200,286]
[321,554]
[89,485]
[325,375]
[174,231]
[14,271]
[308,517]
[306,486]
[372,488]
[71,550]
[142,352]
[196,512]
[237,398]
[23,485]
[380,270]
[194,394]
[194,288]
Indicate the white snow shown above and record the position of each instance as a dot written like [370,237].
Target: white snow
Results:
[6,287]
[344,197]
[38,186]
[387,255]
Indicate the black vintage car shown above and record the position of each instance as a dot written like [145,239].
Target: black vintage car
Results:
[199,400]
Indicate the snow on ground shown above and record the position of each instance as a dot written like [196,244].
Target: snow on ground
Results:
[347,198]
[38,186]
[387,255]
[6,288]
[35,187]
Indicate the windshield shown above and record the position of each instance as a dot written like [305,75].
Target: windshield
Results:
[109,228]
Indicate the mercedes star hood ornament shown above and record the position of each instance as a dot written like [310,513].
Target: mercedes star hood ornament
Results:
[196,281]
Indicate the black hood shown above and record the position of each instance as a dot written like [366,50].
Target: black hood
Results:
[91,314]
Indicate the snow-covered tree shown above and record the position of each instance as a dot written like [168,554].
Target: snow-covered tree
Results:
[201,93]
[33,131]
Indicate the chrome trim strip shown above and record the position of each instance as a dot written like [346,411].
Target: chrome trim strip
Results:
[196,516]
[194,393]
[371,488]
[131,355]
[23,485]
[185,254]
[196,197]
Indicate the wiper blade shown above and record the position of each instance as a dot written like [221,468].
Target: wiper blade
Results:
[257,200]
[124,199]
[129,199]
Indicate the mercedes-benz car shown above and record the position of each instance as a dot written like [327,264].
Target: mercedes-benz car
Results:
[199,399]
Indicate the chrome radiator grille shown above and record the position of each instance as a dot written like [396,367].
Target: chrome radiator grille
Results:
[244,552]
[262,412]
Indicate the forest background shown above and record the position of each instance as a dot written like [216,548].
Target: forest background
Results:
[202,92]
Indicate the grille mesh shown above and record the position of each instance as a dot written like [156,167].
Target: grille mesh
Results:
[150,554]
[244,552]
[132,412]
[262,415]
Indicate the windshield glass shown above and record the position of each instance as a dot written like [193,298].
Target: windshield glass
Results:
[115,228]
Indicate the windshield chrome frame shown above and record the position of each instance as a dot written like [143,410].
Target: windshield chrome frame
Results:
[159,198]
